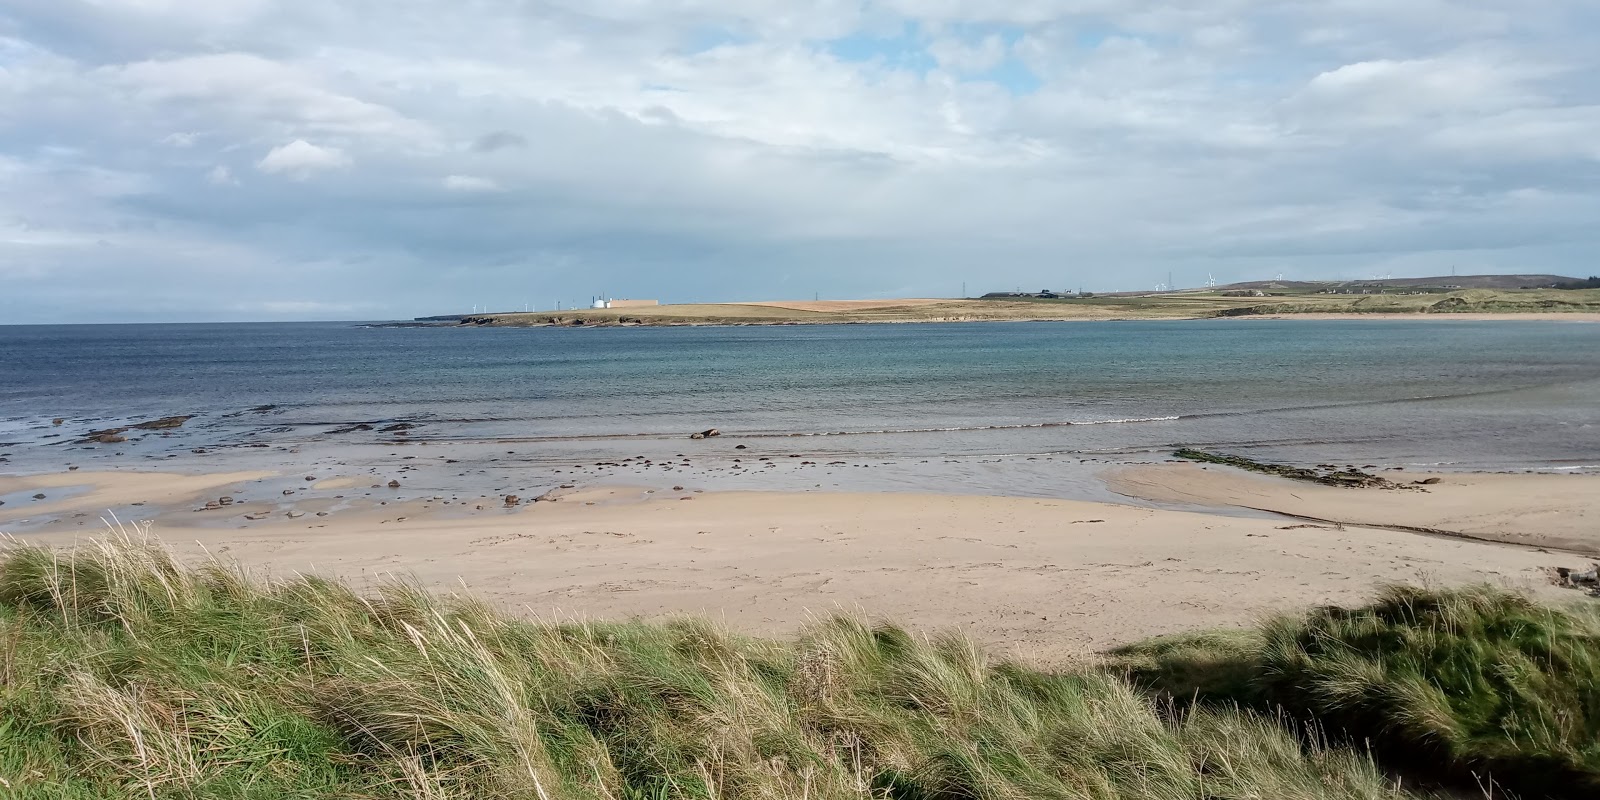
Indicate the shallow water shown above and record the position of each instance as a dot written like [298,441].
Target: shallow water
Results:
[1019,408]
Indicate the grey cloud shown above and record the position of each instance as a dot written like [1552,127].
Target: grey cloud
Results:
[499,140]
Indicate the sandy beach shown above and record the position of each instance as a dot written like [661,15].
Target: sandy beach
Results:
[1551,511]
[1047,580]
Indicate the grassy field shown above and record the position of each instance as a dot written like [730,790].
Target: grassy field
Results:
[1173,305]
[126,675]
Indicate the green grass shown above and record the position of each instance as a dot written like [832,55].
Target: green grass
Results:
[124,674]
[1478,684]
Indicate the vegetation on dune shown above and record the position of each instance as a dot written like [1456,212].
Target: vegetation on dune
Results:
[1477,683]
[124,674]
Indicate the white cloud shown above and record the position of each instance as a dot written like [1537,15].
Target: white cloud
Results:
[470,183]
[299,159]
[1387,91]
[221,176]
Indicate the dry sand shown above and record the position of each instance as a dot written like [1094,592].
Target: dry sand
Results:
[1046,580]
[1560,512]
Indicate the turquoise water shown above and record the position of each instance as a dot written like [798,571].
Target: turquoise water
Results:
[1471,395]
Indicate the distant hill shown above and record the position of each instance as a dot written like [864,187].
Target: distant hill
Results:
[1440,282]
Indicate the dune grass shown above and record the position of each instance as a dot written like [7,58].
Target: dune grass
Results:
[1476,684]
[124,674]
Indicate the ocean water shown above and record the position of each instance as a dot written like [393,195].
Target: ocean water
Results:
[1453,394]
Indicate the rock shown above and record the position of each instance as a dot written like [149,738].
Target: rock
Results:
[57,421]
[1576,577]
[39,496]
[311,477]
[322,513]
[1429,482]
[225,500]
[741,447]
[164,423]
[296,514]
[677,488]
[705,434]
[512,500]
[394,484]
[72,469]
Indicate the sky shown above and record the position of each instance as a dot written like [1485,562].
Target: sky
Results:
[190,160]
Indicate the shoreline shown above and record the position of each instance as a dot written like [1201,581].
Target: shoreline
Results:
[1078,576]
[583,322]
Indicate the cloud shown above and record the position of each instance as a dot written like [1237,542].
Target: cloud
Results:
[498,140]
[470,183]
[299,159]
[716,150]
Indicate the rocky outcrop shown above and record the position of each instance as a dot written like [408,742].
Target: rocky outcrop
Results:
[1348,477]
[164,423]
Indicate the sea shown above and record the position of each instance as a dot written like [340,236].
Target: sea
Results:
[1029,408]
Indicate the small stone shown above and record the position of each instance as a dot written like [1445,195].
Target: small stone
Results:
[225,500]
[512,500]
[57,421]
[39,496]
[311,477]
[394,484]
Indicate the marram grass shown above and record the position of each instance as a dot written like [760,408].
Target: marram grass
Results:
[124,674]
